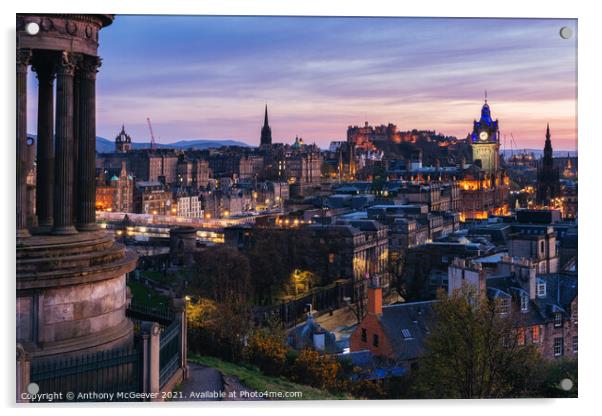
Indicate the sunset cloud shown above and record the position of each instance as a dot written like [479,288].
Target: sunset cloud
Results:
[209,77]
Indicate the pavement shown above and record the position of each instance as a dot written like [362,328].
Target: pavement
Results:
[209,384]
[202,382]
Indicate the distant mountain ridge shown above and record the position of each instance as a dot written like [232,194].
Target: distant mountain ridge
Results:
[538,152]
[107,146]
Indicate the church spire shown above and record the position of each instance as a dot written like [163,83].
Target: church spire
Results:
[266,132]
[265,121]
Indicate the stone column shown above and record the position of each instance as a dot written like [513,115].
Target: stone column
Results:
[86,172]
[151,347]
[45,70]
[23,59]
[63,167]
[77,59]
[23,373]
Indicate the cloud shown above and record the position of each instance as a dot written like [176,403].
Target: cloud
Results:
[201,76]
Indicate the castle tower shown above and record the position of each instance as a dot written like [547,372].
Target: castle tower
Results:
[266,131]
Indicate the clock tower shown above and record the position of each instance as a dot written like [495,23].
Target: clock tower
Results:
[485,141]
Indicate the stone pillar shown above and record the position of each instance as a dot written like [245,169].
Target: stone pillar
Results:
[179,307]
[63,167]
[86,172]
[45,70]
[23,59]
[23,373]
[151,346]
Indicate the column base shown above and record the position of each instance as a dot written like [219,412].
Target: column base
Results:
[45,223]
[64,230]
[23,232]
[88,227]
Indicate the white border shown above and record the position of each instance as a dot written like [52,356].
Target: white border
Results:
[589,151]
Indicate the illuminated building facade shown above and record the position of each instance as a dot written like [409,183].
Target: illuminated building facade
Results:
[114,191]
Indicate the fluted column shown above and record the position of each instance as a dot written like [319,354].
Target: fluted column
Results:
[45,70]
[86,183]
[63,167]
[23,59]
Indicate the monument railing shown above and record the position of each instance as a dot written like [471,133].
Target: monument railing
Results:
[156,362]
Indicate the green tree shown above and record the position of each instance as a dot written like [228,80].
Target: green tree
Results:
[474,351]
[223,274]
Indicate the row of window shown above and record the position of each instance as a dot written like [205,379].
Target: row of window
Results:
[534,332]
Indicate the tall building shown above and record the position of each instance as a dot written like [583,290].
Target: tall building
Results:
[266,131]
[123,141]
[548,176]
[485,141]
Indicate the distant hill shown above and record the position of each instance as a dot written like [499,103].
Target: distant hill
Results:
[106,146]
[538,152]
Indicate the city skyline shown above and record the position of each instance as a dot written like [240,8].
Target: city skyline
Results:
[212,76]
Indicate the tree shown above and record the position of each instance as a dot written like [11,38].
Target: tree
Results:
[475,352]
[316,370]
[223,274]
[267,351]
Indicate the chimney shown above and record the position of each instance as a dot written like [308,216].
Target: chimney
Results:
[375,297]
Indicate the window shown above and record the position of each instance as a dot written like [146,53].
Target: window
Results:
[524,302]
[575,344]
[375,340]
[406,333]
[542,247]
[558,347]
[535,334]
[364,335]
[541,288]
[504,306]
[521,336]
[557,319]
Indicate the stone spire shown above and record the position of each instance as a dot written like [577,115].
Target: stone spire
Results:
[266,132]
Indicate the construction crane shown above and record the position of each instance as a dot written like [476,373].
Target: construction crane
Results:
[512,144]
[150,127]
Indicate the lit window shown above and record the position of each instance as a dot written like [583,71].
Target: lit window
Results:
[364,335]
[535,334]
[558,347]
[557,319]
[575,344]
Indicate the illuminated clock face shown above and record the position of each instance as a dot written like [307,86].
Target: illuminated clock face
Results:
[483,135]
